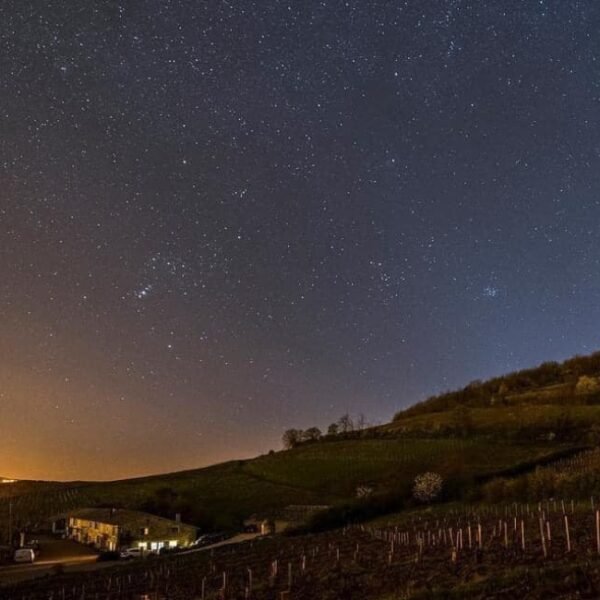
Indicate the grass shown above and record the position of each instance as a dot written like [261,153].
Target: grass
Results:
[332,471]
[335,469]
[503,420]
[223,495]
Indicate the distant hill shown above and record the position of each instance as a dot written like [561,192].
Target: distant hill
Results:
[501,427]
[556,402]
[576,380]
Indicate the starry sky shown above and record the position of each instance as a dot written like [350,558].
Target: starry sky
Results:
[222,219]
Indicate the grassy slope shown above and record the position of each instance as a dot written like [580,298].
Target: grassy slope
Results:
[314,474]
[325,473]
[503,419]
[336,468]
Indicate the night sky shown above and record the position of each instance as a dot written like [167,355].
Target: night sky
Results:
[222,219]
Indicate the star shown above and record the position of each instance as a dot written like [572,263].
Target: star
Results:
[490,291]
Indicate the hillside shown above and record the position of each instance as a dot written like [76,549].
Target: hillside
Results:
[554,402]
[512,452]
[323,473]
[505,426]
[574,381]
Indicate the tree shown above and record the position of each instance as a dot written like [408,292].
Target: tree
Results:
[312,434]
[333,429]
[291,438]
[346,423]
[427,486]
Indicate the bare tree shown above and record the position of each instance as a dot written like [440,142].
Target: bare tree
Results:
[312,434]
[346,423]
[291,438]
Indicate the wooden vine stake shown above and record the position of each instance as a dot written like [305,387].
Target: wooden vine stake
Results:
[543,537]
[567,534]
[598,531]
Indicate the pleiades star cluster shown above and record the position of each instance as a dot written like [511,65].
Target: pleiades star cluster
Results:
[221,219]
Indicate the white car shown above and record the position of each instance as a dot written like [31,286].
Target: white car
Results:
[24,555]
[131,553]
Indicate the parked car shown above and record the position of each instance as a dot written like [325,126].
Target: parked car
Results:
[24,555]
[129,553]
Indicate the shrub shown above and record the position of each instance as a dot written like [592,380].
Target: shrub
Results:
[587,385]
[427,487]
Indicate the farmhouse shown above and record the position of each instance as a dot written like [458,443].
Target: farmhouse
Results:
[110,529]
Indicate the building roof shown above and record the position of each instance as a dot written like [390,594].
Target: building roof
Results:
[129,520]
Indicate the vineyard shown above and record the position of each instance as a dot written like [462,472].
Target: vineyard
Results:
[30,511]
[576,477]
[494,552]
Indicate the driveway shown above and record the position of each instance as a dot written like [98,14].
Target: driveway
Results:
[77,557]
[52,552]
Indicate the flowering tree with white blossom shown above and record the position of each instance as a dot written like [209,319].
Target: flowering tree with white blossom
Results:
[427,486]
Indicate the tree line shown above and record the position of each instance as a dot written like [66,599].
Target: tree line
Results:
[581,375]
[344,425]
